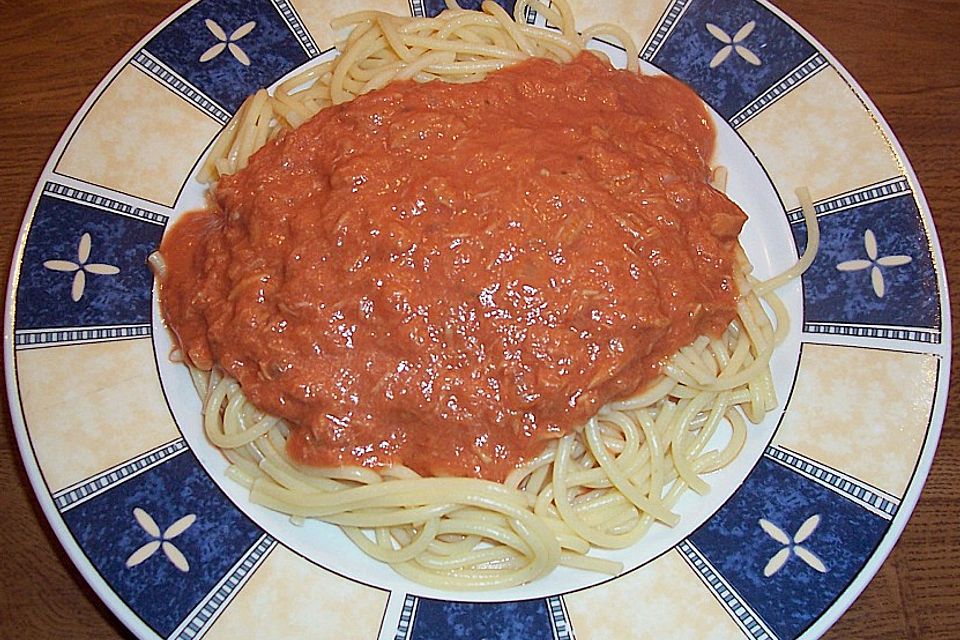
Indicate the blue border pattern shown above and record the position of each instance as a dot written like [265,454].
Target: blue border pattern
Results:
[292,18]
[812,65]
[84,268]
[429,619]
[874,274]
[885,190]
[930,336]
[431,8]
[870,498]
[145,62]
[407,612]
[208,610]
[559,619]
[72,496]
[740,611]
[664,28]
[31,338]
[111,205]
[452,620]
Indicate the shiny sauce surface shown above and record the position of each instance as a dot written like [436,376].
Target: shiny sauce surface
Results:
[448,276]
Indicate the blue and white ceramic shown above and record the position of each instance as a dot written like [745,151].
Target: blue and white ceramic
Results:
[789,534]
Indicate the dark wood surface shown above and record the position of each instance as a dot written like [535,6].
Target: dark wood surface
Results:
[903,52]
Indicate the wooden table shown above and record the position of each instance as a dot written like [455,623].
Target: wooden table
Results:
[902,52]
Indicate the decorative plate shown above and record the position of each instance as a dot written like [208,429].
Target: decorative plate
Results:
[789,534]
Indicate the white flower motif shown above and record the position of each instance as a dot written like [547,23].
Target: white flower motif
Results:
[792,546]
[80,268]
[733,44]
[874,263]
[226,42]
[161,540]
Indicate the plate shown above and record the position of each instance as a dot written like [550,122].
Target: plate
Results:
[787,537]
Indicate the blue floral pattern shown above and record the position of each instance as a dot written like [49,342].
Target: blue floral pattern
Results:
[173,508]
[874,267]
[85,266]
[788,545]
[229,48]
[731,51]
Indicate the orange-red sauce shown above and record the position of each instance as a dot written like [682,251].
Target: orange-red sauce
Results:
[446,276]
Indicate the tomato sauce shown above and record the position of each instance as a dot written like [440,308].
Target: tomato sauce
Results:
[448,276]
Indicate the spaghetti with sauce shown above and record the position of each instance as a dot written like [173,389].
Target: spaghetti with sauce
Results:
[482,327]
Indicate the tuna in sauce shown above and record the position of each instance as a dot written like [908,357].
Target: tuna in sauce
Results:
[447,276]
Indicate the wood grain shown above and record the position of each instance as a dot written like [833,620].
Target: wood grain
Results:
[902,53]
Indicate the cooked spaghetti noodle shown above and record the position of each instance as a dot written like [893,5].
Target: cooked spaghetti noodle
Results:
[602,486]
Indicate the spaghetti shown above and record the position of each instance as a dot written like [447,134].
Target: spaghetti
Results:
[603,485]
